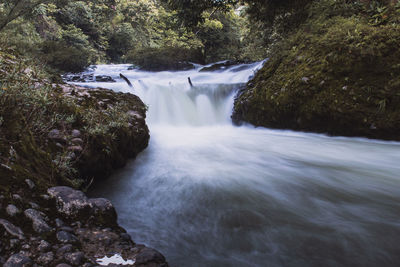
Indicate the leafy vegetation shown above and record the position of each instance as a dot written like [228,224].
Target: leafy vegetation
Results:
[338,73]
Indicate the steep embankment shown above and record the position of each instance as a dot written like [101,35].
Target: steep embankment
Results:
[56,134]
[338,73]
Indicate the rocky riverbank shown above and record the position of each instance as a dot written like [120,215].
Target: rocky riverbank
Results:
[55,139]
[337,73]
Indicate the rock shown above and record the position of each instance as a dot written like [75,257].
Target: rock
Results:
[59,222]
[104,78]
[104,210]
[63,265]
[75,149]
[149,255]
[64,249]
[305,79]
[70,203]
[135,114]
[12,210]
[75,133]
[44,246]
[65,237]
[18,260]
[67,229]
[26,247]
[14,243]
[30,184]
[75,258]
[74,204]
[12,229]
[46,258]
[77,141]
[56,136]
[17,197]
[38,223]
[34,205]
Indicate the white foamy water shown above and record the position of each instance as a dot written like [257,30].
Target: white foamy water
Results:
[206,193]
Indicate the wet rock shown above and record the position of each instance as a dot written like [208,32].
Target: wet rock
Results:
[71,203]
[135,114]
[57,136]
[74,204]
[17,197]
[65,237]
[63,265]
[67,229]
[75,258]
[26,247]
[149,255]
[34,205]
[45,259]
[59,222]
[75,133]
[12,229]
[38,223]
[44,246]
[14,243]
[18,260]
[75,149]
[104,78]
[64,249]
[30,184]
[77,141]
[12,210]
[104,210]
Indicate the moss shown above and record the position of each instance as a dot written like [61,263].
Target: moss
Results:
[337,74]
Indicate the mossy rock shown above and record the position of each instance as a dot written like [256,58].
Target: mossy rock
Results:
[336,75]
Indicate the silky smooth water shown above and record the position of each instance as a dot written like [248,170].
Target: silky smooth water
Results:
[206,193]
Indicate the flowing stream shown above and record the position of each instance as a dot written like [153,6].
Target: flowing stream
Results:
[206,193]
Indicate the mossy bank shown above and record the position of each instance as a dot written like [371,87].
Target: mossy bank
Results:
[337,73]
[59,134]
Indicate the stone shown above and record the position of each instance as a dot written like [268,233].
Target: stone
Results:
[12,229]
[69,202]
[59,222]
[135,114]
[44,246]
[75,149]
[75,258]
[64,249]
[74,204]
[75,133]
[65,237]
[104,78]
[34,205]
[26,247]
[77,141]
[63,265]
[18,260]
[56,136]
[46,258]
[149,255]
[38,223]
[17,197]
[12,210]
[67,229]
[14,243]
[30,184]
[104,210]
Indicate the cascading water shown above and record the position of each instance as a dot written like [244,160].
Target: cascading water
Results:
[206,193]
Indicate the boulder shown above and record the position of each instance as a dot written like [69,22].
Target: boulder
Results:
[12,229]
[38,222]
[12,210]
[75,258]
[18,260]
[45,259]
[74,204]
[104,78]
[149,255]
[66,237]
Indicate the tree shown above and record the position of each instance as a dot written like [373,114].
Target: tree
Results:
[13,9]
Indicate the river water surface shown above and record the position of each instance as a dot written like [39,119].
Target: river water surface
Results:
[206,193]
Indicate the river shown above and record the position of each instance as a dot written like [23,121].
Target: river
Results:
[207,193]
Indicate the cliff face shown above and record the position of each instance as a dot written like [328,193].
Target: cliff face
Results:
[54,137]
[338,73]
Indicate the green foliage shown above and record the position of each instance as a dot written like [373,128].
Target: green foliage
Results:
[336,73]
